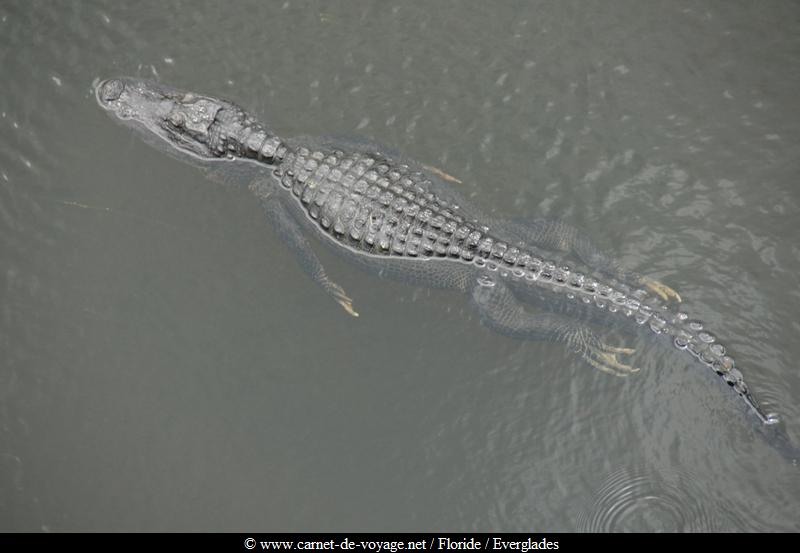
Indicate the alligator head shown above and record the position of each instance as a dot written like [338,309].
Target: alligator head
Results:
[201,127]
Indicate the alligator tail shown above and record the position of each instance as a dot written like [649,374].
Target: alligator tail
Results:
[690,335]
[686,334]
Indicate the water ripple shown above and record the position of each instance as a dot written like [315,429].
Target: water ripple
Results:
[646,501]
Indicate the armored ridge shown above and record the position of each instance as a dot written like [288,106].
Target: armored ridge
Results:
[399,219]
[376,206]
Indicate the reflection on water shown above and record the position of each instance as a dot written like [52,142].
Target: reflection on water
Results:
[166,366]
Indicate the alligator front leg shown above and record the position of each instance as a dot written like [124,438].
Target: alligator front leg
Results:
[441,174]
[502,312]
[559,236]
[292,234]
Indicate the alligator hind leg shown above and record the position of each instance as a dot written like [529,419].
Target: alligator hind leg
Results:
[559,236]
[660,288]
[291,233]
[502,312]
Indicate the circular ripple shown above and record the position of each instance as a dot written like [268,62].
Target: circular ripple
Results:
[638,501]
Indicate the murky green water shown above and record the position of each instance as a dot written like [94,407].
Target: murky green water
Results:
[165,365]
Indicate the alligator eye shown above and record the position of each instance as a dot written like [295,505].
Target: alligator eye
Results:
[177,119]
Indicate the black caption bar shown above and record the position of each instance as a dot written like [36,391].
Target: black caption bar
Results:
[373,542]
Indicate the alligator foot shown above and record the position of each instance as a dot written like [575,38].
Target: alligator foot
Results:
[660,288]
[604,358]
[342,298]
[439,173]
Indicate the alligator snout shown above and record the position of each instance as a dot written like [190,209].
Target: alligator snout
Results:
[110,90]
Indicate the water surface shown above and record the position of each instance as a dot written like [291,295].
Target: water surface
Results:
[165,365]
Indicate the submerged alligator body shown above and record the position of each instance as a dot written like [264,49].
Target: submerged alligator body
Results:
[400,219]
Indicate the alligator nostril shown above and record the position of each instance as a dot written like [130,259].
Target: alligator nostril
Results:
[111,90]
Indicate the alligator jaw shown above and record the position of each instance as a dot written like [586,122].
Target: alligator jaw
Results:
[163,114]
[192,125]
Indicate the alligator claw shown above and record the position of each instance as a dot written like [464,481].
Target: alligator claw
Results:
[605,359]
[439,173]
[661,289]
[615,349]
[343,299]
[348,307]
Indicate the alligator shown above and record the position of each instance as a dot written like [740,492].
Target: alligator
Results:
[400,219]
